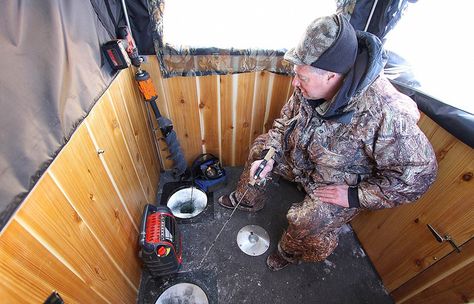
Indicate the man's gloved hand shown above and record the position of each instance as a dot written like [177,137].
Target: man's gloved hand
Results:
[266,169]
[333,194]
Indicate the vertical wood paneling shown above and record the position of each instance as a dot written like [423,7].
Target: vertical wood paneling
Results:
[66,234]
[280,89]
[107,131]
[441,276]
[230,128]
[28,266]
[259,107]
[209,110]
[73,233]
[141,131]
[9,291]
[447,206]
[246,85]
[146,112]
[88,187]
[128,131]
[184,114]
[227,123]
[456,288]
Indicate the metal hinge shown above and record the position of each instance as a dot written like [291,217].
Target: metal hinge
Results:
[54,298]
[442,239]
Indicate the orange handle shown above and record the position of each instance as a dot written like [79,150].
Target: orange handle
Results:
[148,89]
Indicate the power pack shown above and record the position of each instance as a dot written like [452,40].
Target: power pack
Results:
[116,54]
[160,241]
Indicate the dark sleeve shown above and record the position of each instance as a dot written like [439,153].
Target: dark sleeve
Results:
[353,197]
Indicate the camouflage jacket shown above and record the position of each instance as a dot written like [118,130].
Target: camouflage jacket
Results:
[381,151]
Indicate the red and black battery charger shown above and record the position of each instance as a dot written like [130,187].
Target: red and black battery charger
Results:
[160,241]
[116,54]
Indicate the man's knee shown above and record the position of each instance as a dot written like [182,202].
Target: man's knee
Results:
[318,217]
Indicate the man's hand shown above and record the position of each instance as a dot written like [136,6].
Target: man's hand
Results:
[333,194]
[266,169]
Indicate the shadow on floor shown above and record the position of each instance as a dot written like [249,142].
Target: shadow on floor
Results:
[230,276]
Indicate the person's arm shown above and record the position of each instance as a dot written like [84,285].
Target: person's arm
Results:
[276,133]
[405,165]
[280,125]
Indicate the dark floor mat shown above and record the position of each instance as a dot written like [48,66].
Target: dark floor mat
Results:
[347,276]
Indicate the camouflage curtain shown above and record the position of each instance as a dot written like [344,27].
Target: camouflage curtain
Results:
[189,61]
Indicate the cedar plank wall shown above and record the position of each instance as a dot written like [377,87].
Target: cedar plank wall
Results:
[398,241]
[77,230]
[221,115]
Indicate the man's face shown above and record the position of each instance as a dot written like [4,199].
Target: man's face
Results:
[311,84]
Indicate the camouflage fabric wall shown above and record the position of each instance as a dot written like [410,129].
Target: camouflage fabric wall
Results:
[189,61]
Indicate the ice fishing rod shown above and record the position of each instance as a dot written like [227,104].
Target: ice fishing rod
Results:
[251,184]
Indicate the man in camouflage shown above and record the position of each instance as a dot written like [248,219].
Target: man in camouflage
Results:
[347,136]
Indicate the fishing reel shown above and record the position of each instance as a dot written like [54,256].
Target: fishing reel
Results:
[208,172]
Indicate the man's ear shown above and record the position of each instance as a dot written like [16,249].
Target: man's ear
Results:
[330,76]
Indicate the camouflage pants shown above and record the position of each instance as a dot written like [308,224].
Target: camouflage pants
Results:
[313,226]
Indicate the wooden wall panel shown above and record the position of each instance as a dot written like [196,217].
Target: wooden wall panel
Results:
[209,112]
[28,266]
[184,113]
[9,291]
[74,233]
[135,108]
[96,201]
[64,232]
[106,130]
[280,86]
[133,144]
[260,104]
[451,277]
[456,288]
[398,241]
[243,119]
[234,110]
[227,123]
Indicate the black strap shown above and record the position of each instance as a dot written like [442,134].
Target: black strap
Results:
[111,15]
[102,18]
